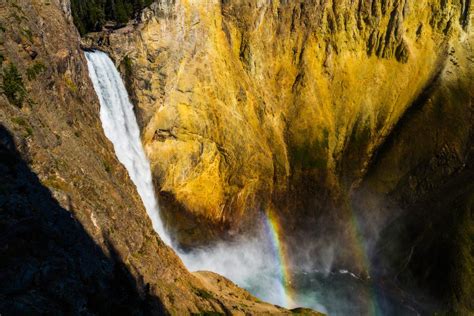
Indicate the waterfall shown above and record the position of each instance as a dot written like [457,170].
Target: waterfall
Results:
[249,261]
[255,262]
[121,128]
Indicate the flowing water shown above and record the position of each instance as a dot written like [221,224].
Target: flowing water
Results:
[248,262]
[257,263]
[121,128]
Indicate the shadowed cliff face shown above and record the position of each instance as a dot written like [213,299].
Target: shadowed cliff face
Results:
[51,111]
[50,263]
[425,170]
[341,116]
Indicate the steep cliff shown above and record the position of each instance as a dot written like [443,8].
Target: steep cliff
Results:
[323,111]
[426,169]
[75,236]
[245,103]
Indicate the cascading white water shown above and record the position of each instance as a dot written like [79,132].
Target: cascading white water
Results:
[250,261]
[121,128]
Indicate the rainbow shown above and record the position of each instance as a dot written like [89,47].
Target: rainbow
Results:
[273,229]
[356,234]
[286,292]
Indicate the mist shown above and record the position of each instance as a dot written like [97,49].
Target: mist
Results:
[249,261]
[306,273]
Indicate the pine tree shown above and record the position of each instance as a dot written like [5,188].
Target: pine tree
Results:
[91,15]
[12,86]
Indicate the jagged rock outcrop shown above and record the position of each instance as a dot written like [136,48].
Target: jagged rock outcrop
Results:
[75,236]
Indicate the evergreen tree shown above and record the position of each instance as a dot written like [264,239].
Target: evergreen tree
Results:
[12,85]
[91,15]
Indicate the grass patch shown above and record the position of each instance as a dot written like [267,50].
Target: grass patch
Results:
[16,6]
[15,16]
[107,166]
[19,121]
[23,123]
[55,183]
[28,34]
[127,62]
[128,71]
[29,131]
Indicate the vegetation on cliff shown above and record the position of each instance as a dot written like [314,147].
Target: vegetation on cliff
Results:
[91,15]
[12,85]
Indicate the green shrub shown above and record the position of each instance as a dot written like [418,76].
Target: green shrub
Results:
[204,294]
[128,72]
[23,123]
[28,34]
[33,71]
[70,84]
[107,167]
[19,121]
[12,86]
[128,66]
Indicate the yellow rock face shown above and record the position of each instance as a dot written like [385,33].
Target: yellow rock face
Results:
[241,102]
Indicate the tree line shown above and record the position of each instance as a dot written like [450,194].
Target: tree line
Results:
[91,15]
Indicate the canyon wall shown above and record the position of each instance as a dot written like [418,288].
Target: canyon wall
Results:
[75,236]
[251,105]
[321,111]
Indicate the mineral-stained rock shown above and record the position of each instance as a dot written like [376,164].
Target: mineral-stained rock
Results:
[301,107]
[426,167]
[75,237]
[243,103]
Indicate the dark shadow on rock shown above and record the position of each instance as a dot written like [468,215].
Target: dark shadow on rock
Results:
[422,250]
[49,264]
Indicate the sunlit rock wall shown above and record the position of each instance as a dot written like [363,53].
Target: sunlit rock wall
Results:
[250,105]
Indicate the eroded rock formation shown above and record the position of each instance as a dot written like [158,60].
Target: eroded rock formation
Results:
[75,236]
[314,109]
[243,101]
